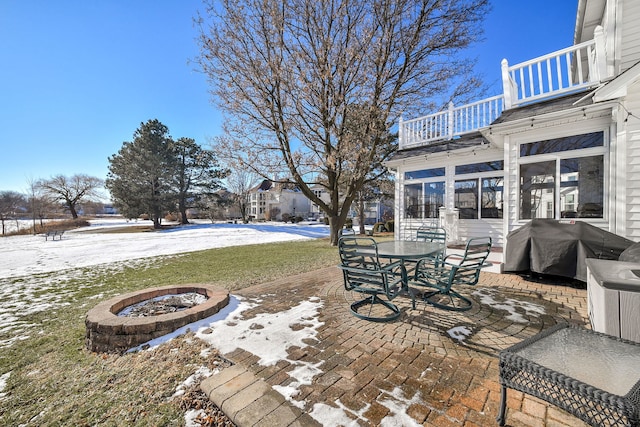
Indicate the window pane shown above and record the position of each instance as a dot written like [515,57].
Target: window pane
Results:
[582,187]
[412,193]
[497,165]
[537,190]
[575,142]
[491,198]
[466,198]
[433,199]
[424,173]
[423,200]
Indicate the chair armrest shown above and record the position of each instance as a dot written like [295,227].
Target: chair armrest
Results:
[392,265]
[452,258]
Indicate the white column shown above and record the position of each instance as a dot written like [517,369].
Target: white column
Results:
[450,120]
[401,141]
[506,85]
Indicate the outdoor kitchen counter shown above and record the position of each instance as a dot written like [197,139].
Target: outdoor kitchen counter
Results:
[613,297]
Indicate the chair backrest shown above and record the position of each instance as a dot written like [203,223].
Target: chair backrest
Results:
[475,255]
[431,234]
[347,231]
[359,252]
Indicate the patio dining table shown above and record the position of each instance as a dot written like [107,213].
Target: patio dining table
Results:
[408,250]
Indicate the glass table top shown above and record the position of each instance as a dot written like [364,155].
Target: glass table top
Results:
[408,249]
[597,360]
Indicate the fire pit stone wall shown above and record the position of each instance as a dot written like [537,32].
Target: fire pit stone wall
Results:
[106,332]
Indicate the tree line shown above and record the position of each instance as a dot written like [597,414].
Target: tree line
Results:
[152,175]
[46,197]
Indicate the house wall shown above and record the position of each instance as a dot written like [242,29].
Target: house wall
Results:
[467,228]
[629,175]
[628,14]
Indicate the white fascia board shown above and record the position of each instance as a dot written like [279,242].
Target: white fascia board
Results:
[617,88]
[519,124]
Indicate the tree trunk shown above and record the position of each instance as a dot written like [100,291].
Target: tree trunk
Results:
[72,209]
[156,220]
[183,213]
[335,225]
[361,214]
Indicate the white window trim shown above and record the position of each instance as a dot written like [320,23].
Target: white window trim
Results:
[604,151]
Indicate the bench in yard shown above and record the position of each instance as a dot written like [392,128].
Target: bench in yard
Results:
[53,234]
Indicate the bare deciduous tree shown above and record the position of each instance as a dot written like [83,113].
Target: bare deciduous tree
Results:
[40,203]
[240,181]
[10,203]
[72,190]
[289,74]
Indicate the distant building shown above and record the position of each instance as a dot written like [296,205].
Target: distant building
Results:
[270,201]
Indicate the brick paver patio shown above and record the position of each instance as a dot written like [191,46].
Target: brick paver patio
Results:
[443,364]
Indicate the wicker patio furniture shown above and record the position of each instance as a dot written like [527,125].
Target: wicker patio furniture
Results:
[594,376]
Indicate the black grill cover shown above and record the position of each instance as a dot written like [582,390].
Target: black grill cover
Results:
[560,248]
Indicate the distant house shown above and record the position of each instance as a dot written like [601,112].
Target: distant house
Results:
[229,208]
[562,140]
[323,195]
[270,201]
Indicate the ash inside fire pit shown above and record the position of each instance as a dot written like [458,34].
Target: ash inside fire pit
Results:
[163,304]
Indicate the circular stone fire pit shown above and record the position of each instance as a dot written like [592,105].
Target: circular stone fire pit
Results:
[109,333]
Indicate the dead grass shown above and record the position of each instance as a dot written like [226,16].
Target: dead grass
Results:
[57,225]
[55,381]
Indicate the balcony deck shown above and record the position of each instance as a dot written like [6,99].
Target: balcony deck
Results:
[559,73]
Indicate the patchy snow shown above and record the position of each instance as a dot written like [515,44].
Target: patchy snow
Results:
[3,384]
[268,335]
[397,405]
[37,275]
[512,306]
[195,378]
[459,333]
[337,416]
[190,417]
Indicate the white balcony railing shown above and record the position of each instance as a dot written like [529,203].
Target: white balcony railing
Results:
[560,72]
[452,122]
[568,70]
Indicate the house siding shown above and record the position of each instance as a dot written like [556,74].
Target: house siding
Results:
[631,136]
[629,14]
[482,228]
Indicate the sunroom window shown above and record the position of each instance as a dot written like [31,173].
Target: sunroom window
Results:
[568,183]
[423,200]
[479,196]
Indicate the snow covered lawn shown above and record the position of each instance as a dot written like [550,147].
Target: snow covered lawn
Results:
[46,282]
[87,246]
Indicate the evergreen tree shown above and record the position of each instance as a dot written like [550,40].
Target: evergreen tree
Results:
[141,176]
[197,174]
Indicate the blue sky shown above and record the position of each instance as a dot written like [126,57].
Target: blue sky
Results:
[78,77]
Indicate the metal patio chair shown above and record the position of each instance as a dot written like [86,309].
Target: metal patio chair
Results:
[347,231]
[363,273]
[434,234]
[442,276]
